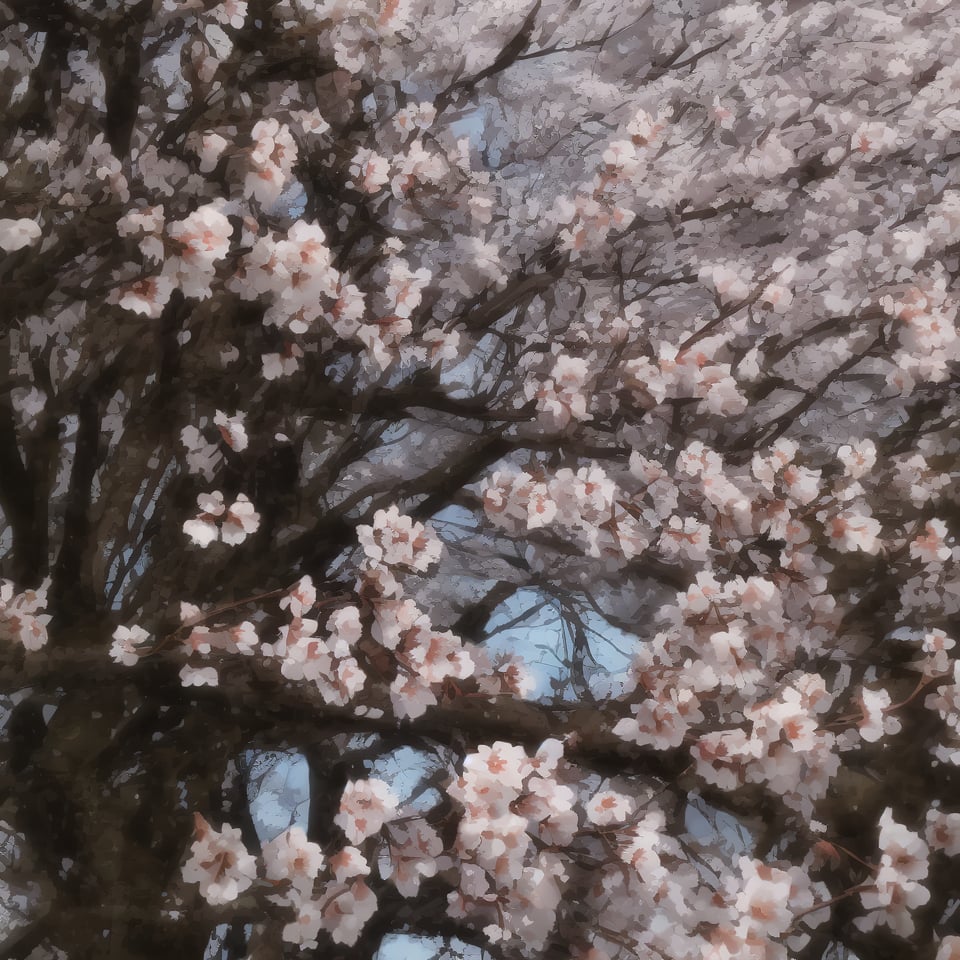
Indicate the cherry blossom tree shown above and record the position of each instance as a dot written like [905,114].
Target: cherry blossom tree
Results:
[343,340]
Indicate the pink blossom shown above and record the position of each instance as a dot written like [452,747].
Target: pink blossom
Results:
[272,157]
[203,237]
[364,808]
[510,674]
[609,807]
[210,147]
[415,850]
[231,13]
[232,430]
[216,520]
[291,856]
[802,484]
[643,128]
[930,547]
[872,138]
[219,863]
[346,912]
[850,531]
[504,761]
[410,697]
[436,656]
[858,458]
[763,900]
[301,598]
[372,170]
[345,627]
[241,520]
[728,283]
[304,929]
[397,540]
[147,297]
[685,537]
[276,365]
[943,832]
[348,863]
[244,638]
[638,846]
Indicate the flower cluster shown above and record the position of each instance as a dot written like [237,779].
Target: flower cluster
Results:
[561,396]
[272,157]
[692,373]
[584,503]
[508,799]
[366,805]
[200,240]
[219,863]
[898,888]
[415,852]
[21,615]
[128,645]
[17,234]
[395,540]
[223,869]
[216,520]
[327,662]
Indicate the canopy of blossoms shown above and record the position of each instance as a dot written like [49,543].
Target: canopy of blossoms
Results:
[343,337]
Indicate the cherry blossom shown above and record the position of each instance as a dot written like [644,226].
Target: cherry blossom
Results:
[231,13]
[943,832]
[685,537]
[903,864]
[410,697]
[561,396]
[202,239]
[272,157]
[414,854]
[347,911]
[240,521]
[232,430]
[364,808]
[850,531]
[291,856]
[21,615]
[396,540]
[17,234]
[199,676]
[147,297]
[858,458]
[126,641]
[219,863]
[930,547]
[348,863]
[608,807]
[876,722]
[372,170]
[217,521]
[764,899]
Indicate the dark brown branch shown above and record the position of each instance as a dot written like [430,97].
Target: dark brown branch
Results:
[71,593]
[505,59]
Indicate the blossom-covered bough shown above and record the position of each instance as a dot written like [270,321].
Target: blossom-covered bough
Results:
[341,338]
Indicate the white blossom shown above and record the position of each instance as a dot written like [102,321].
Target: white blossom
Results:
[17,234]
[128,644]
